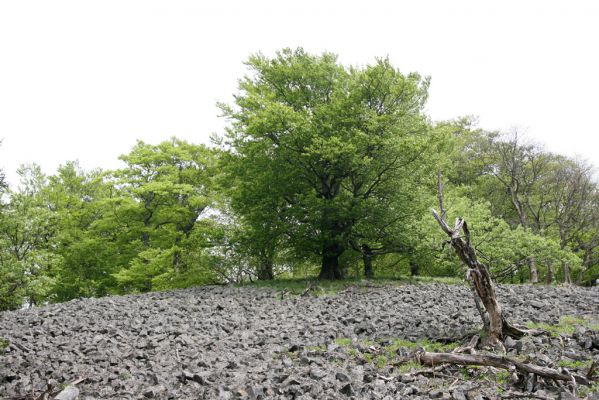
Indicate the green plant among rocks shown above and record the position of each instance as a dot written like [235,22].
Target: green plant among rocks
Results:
[341,341]
[575,364]
[391,352]
[567,325]
[3,343]
[586,392]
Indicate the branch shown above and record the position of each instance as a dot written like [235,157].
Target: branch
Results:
[426,358]
[442,223]
[440,194]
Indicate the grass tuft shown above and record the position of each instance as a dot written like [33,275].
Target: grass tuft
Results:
[341,341]
[386,352]
[566,326]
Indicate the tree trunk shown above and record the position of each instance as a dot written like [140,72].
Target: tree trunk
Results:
[414,268]
[478,275]
[550,274]
[534,272]
[330,268]
[567,279]
[367,258]
[580,277]
[484,315]
[265,270]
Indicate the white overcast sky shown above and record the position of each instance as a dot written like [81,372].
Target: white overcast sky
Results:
[85,79]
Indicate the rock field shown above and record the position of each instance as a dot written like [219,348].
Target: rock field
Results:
[220,342]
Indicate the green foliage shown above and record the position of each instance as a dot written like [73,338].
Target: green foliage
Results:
[343,341]
[386,352]
[571,364]
[320,152]
[317,349]
[324,168]
[170,186]
[27,239]
[567,325]
[586,391]
[498,245]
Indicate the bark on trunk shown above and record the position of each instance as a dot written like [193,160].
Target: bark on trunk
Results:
[330,268]
[534,272]
[414,269]
[484,315]
[580,277]
[265,270]
[478,275]
[567,279]
[367,258]
[550,274]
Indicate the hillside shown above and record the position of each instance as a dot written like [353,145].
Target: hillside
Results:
[227,342]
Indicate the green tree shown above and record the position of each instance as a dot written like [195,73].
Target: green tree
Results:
[325,146]
[78,202]
[3,183]
[27,239]
[505,249]
[166,187]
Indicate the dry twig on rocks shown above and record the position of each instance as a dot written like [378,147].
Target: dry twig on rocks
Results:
[427,358]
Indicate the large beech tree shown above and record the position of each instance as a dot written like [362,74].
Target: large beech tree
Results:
[335,144]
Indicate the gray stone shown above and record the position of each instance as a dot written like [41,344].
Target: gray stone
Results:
[255,392]
[410,390]
[347,390]
[531,383]
[317,373]
[458,395]
[510,343]
[154,392]
[342,377]
[68,393]
[565,395]
[129,344]
[537,304]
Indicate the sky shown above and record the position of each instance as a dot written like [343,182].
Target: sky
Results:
[83,80]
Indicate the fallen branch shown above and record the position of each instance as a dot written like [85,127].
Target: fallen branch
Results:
[426,358]
[469,348]
[591,370]
[517,395]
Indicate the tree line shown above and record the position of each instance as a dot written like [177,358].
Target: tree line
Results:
[324,170]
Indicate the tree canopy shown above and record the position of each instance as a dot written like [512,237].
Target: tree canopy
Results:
[324,170]
[329,149]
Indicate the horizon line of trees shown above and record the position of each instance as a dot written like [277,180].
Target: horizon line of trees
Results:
[324,170]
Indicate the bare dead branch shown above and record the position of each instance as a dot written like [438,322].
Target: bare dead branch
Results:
[426,358]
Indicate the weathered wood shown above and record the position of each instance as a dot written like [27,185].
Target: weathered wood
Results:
[567,279]
[478,275]
[489,360]
[591,370]
[550,274]
[469,348]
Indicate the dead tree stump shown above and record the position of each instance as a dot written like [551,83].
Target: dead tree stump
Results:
[496,327]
